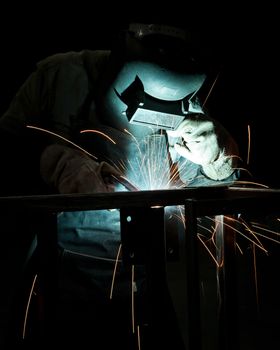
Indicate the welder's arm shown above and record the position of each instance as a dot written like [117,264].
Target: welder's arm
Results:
[206,142]
[71,171]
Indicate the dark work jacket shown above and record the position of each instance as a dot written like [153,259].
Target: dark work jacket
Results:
[60,97]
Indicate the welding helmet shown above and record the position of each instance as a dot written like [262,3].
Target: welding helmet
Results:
[155,75]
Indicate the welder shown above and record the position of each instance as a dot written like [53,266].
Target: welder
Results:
[98,120]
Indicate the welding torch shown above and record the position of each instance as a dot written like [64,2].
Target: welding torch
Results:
[125,182]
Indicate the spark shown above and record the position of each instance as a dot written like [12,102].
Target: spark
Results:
[61,137]
[149,167]
[252,232]
[132,299]
[256,277]
[251,183]
[255,241]
[265,236]
[244,170]
[98,132]
[208,250]
[211,89]
[247,228]
[27,307]
[114,272]
[258,244]
[156,176]
[134,138]
[249,144]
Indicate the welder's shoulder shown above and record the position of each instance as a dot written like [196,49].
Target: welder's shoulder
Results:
[76,59]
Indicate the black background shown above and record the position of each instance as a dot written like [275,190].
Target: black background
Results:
[243,39]
[246,92]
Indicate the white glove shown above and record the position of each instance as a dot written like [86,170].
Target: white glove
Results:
[206,142]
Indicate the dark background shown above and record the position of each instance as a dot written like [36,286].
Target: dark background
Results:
[246,92]
[243,40]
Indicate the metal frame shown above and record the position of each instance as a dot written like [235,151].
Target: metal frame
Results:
[139,206]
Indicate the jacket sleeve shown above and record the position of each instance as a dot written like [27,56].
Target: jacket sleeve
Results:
[68,170]
[52,98]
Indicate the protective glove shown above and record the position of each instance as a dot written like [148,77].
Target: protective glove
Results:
[71,171]
[204,141]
